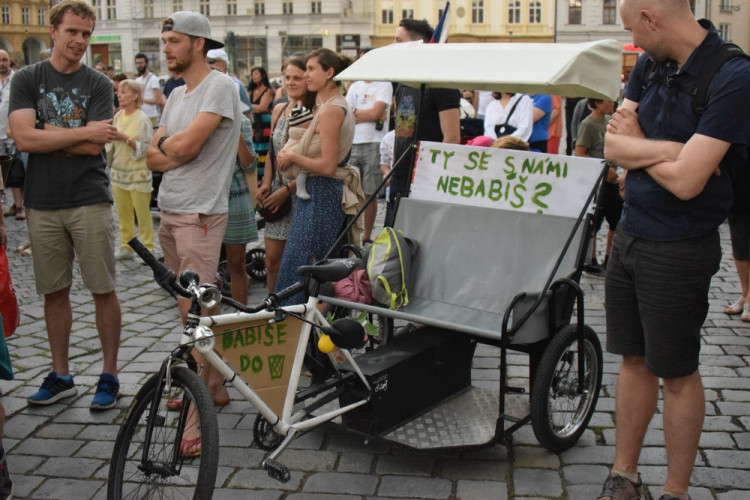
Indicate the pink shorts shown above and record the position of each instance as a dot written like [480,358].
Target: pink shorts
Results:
[192,241]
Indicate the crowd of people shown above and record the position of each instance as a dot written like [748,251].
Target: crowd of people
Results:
[92,139]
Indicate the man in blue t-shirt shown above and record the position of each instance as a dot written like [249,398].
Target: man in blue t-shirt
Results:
[61,113]
[667,246]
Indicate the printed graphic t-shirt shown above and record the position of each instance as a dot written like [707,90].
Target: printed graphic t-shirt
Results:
[60,180]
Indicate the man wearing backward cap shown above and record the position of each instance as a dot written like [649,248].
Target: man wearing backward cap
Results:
[195,147]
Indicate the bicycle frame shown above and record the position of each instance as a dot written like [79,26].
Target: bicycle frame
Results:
[289,422]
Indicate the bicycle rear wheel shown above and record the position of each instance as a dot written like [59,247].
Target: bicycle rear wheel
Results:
[161,472]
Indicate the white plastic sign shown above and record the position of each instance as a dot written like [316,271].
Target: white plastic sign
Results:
[503,178]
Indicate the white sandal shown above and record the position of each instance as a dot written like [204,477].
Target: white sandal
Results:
[746,313]
[735,308]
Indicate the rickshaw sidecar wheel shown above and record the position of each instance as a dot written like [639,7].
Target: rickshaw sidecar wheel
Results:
[559,415]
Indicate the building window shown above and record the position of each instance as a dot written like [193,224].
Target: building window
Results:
[407,9]
[288,8]
[724,32]
[111,9]
[148,9]
[726,5]
[316,8]
[609,14]
[150,48]
[97,6]
[6,15]
[514,12]
[574,11]
[535,12]
[25,16]
[40,16]
[386,12]
[477,12]
[176,5]
[304,44]
[260,8]
[204,7]
[231,7]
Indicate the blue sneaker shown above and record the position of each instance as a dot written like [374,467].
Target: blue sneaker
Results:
[54,388]
[107,391]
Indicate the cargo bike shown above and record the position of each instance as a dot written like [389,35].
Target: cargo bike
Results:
[503,236]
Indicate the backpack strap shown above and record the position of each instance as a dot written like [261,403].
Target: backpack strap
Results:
[705,64]
[708,70]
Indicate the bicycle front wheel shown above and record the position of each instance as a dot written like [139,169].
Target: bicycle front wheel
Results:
[149,464]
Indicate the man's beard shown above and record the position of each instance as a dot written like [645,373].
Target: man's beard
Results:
[4,70]
[142,70]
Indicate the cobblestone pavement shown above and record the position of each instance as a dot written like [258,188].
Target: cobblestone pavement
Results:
[62,451]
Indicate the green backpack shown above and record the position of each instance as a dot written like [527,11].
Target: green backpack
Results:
[389,261]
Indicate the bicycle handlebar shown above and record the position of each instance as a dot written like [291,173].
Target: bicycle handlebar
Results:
[345,333]
[164,277]
[168,281]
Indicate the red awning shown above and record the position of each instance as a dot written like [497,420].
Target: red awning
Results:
[631,48]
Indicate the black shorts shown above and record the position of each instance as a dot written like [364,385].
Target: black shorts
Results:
[656,300]
[611,206]
[739,230]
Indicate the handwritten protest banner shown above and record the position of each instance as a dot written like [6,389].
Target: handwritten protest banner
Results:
[503,178]
[262,353]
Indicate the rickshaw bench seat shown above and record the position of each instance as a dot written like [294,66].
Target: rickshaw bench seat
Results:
[473,261]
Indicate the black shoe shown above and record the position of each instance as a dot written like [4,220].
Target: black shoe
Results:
[621,488]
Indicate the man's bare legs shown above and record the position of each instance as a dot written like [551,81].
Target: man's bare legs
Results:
[684,410]
[58,317]
[213,379]
[635,404]
[108,324]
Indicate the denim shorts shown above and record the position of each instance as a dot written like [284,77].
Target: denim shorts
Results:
[656,299]
[739,230]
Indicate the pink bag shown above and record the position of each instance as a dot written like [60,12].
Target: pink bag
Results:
[354,288]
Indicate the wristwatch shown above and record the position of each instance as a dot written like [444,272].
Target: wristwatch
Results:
[161,141]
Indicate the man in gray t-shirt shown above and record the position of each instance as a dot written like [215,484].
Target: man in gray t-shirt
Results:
[61,112]
[195,147]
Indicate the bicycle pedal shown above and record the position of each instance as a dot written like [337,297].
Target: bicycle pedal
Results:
[277,470]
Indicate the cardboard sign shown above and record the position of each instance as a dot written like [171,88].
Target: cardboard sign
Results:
[262,353]
[503,178]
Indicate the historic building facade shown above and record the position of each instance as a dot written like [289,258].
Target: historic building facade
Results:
[25,30]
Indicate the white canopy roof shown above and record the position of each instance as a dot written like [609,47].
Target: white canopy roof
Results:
[590,69]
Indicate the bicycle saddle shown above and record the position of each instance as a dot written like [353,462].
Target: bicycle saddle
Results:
[329,269]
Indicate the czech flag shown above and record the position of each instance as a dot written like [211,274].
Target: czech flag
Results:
[440,35]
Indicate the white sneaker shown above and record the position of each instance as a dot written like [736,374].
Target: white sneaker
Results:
[123,254]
